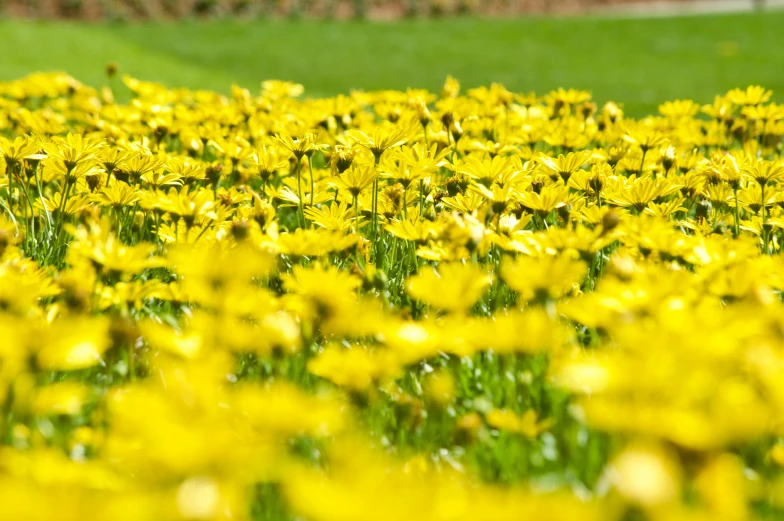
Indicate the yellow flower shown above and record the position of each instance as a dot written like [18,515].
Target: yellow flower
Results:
[355,180]
[640,192]
[453,287]
[16,151]
[548,277]
[563,166]
[73,156]
[189,206]
[753,95]
[323,294]
[267,161]
[336,217]
[117,195]
[486,171]
[65,398]
[527,424]
[551,198]
[644,136]
[763,172]
[679,109]
[418,231]
[380,139]
[440,387]
[270,410]
[355,368]
[299,147]
[72,343]
[646,475]
[276,89]
[99,246]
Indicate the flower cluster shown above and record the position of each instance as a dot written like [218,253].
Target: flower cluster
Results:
[388,305]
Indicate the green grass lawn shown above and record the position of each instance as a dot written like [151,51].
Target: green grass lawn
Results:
[639,62]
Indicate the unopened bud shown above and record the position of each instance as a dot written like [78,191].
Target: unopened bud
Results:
[111,69]
[240,229]
[610,221]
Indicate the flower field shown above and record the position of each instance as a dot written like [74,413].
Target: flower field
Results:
[470,305]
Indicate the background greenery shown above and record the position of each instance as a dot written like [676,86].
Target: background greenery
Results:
[640,62]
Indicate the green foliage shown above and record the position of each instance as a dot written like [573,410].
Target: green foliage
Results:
[643,62]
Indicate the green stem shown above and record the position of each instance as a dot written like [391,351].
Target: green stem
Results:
[312,182]
[452,148]
[374,209]
[157,228]
[131,363]
[202,232]
[61,207]
[299,194]
[22,184]
[421,197]
[356,215]
[737,213]
[764,221]
[26,238]
[377,159]
[41,196]
[600,264]
[118,221]
[642,161]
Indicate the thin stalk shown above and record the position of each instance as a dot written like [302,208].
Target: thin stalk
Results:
[764,221]
[117,221]
[373,202]
[41,196]
[209,225]
[377,159]
[312,182]
[600,263]
[131,363]
[157,228]
[26,238]
[642,161]
[29,200]
[356,215]
[393,255]
[61,208]
[737,213]
[594,272]
[10,214]
[299,194]
[143,228]
[421,197]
